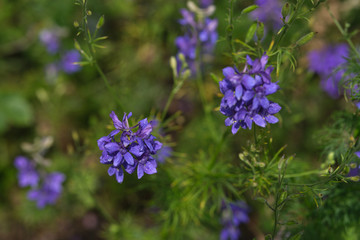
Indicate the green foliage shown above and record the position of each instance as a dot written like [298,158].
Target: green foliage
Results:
[338,217]
[14,111]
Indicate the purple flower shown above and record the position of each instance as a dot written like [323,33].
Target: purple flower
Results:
[50,39]
[326,62]
[49,191]
[205,3]
[27,174]
[354,167]
[233,214]
[68,60]
[198,32]
[269,12]
[164,153]
[132,150]
[245,95]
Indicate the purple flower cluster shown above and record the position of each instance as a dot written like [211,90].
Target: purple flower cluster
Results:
[245,94]
[327,62]
[205,3]
[233,214]
[133,150]
[68,60]
[269,12]
[50,189]
[50,38]
[27,174]
[200,33]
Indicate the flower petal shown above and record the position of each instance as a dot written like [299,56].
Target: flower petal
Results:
[248,81]
[118,159]
[117,123]
[271,88]
[119,175]
[248,95]
[273,108]
[112,170]
[149,168]
[112,147]
[228,72]
[259,120]
[238,92]
[140,171]
[264,102]
[271,119]
[129,158]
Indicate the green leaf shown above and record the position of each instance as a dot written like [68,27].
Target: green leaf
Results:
[305,39]
[14,109]
[296,236]
[101,38]
[215,78]
[100,23]
[251,32]
[249,9]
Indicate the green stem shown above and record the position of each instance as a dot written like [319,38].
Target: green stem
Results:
[293,17]
[200,76]
[230,30]
[218,148]
[342,31]
[93,57]
[103,211]
[255,138]
[303,174]
[169,101]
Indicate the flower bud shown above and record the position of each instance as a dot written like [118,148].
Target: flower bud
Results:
[285,10]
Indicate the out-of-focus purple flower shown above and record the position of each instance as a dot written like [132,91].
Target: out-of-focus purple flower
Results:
[164,153]
[269,12]
[233,214]
[68,60]
[198,33]
[354,167]
[131,150]
[50,39]
[327,63]
[245,100]
[49,191]
[27,174]
[205,3]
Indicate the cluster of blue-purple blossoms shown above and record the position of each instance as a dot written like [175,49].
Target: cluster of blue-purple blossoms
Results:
[329,63]
[50,38]
[200,32]
[245,100]
[132,150]
[232,215]
[51,184]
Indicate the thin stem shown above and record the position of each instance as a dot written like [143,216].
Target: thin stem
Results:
[218,149]
[303,174]
[169,101]
[255,138]
[288,25]
[93,57]
[200,76]
[342,31]
[230,30]
[104,212]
